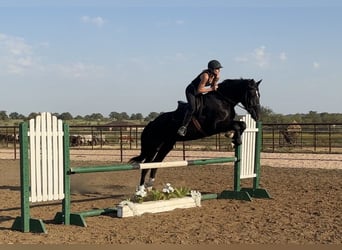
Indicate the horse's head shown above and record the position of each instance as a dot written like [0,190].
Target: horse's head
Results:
[245,91]
[251,100]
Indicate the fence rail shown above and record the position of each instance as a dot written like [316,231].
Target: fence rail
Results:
[286,137]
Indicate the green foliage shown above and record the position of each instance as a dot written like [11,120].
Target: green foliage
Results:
[152,116]
[156,195]
[65,116]
[118,116]
[3,115]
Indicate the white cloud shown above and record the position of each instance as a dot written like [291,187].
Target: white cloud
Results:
[283,56]
[316,65]
[179,22]
[259,56]
[16,55]
[97,21]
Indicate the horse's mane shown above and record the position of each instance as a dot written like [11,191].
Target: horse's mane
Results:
[236,85]
[235,81]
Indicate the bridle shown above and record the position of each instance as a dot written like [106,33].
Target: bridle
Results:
[248,102]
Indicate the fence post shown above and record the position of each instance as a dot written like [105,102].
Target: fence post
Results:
[24,222]
[258,144]
[66,160]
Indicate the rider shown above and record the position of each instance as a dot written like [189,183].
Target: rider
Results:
[205,82]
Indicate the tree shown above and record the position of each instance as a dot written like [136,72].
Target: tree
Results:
[313,116]
[114,115]
[118,116]
[266,114]
[32,115]
[94,116]
[65,116]
[152,116]
[3,115]
[137,116]
[123,116]
[16,116]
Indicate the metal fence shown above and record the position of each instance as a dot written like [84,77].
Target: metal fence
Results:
[303,138]
[299,138]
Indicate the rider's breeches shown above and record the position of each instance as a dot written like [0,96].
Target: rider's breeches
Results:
[191,98]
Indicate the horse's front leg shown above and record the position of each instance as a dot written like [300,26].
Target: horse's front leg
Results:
[238,127]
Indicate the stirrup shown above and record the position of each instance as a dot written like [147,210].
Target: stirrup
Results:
[182,131]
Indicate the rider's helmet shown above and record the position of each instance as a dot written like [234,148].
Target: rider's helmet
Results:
[214,64]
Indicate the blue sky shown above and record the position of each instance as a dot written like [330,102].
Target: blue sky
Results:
[88,56]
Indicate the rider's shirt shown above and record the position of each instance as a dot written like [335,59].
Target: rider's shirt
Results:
[197,80]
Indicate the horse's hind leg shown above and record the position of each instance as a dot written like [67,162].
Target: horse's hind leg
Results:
[141,188]
[142,176]
[140,191]
[162,153]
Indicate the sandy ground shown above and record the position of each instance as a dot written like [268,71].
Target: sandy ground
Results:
[306,205]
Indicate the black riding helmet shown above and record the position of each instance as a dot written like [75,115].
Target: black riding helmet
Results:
[214,64]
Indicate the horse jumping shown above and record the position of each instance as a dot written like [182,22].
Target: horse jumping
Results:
[216,115]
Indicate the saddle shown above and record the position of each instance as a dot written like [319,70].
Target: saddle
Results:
[181,109]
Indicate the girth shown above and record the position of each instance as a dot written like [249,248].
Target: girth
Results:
[198,125]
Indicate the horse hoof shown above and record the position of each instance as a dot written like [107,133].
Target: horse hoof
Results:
[229,134]
[237,141]
[141,191]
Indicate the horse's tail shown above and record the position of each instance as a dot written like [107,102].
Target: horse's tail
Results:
[140,158]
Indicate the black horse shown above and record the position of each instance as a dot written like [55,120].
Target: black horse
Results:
[216,115]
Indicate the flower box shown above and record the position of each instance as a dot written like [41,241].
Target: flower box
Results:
[128,209]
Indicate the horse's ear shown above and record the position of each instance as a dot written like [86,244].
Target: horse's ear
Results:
[258,82]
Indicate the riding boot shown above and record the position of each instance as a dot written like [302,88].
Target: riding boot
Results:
[187,118]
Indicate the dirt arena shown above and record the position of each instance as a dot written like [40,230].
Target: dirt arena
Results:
[306,207]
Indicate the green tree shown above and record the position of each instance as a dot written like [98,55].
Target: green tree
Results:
[78,117]
[266,114]
[123,116]
[16,116]
[32,115]
[94,116]
[313,116]
[114,115]
[137,116]
[65,116]
[3,115]
[152,116]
